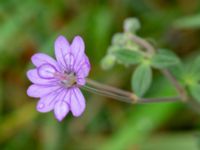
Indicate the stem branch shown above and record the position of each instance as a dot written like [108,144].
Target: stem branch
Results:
[150,49]
[142,43]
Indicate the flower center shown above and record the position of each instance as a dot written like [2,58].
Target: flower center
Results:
[66,79]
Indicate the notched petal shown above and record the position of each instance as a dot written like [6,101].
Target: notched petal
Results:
[33,76]
[46,71]
[40,90]
[84,68]
[77,45]
[69,61]
[40,58]
[61,109]
[61,49]
[47,103]
[77,103]
[77,49]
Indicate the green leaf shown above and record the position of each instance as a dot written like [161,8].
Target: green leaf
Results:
[126,56]
[141,79]
[178,71]
[164,58]
[195,91]
[190,73]
[194,67]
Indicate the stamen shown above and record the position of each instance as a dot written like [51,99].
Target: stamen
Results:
[66,79]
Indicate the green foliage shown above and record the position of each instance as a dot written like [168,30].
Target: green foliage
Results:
[144,120]
[191,76]
[164,58]
[172,141]
[188,22]
[141,79]
[194,67]
[128,57]
[140,125]
[195,91]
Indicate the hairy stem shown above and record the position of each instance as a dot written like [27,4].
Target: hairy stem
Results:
[115,96]
[163,99]
[176,84]
[110,89]
[150,49]
[121,95]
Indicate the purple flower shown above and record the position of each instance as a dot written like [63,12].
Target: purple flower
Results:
[57,82]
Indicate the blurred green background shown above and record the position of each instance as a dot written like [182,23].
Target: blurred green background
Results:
[31,26]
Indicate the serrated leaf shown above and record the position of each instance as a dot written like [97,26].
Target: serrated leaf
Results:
[195,91]
[126,56]
[164,58]
[141,79]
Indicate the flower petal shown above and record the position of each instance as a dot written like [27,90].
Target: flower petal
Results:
[81,81]
[83,70]
[46,71]
[67,97]
[35,78]
[61,109]
[40,58]
[77,49]
[69,61]
[61,49]
[77,102]
[47,103]
[36,90]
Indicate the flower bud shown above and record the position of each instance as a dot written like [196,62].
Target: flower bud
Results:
[119,39]
[108,62]
[113,48]
[131,25]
